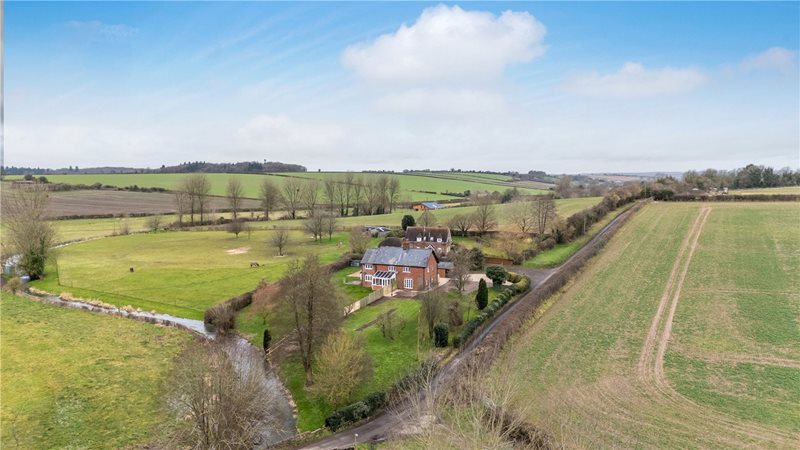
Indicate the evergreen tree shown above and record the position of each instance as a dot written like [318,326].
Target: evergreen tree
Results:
[482,297]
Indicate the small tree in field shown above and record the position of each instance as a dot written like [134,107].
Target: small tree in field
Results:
[358,241]
[433,306]
[427,219]
[482,297]
[154,222]
[235,227]
[280,240]
[497,274]
[441,334]
[408,221]
[342,366]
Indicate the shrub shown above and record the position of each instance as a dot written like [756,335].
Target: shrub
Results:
[482,297]
[455,317]
[220,318]
[376,400]
[12,284]
[408,221]
[497,274]
[441,334]
[476,259]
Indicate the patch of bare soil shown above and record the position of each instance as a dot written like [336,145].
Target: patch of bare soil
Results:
[238,251]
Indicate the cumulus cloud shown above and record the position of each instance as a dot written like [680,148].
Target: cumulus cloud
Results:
[775,58]
[280,132]
[103,29]
[449,45]
[634,80]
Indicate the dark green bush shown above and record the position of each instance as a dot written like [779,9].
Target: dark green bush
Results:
[482,297]
[441,334]
[497,274]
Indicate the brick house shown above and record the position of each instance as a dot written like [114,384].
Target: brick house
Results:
[407,269]
[438,239]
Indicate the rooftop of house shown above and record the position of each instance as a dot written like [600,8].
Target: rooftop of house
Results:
[431,205]
[428,234]
[396,256]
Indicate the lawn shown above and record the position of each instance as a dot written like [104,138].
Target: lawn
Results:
[731,355]
[768,191]
[74,379]
[180,273]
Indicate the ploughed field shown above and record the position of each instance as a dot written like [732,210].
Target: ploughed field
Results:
[683,332]
[75,379]
[412,187]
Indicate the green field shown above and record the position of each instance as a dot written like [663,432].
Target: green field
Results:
[74,379]
[607,366]
[180,273]
[412,186]
[768,191]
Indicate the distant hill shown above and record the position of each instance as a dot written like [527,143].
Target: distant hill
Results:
[187,167]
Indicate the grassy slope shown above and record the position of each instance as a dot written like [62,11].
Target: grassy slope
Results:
[180,273]
[576,365]
[73,379]
[768,191]
[410,184]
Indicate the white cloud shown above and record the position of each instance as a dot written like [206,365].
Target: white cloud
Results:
[281,133]
[634,80]
[775,58]
[449,45]
[103,29]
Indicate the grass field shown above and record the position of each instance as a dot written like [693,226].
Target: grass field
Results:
[683,333]
[768,191]
[180,273]
[411,186]
[73,379]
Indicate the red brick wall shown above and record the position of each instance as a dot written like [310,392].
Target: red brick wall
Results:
[422,279]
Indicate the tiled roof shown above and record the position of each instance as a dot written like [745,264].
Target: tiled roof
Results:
[396,256]
[428,234]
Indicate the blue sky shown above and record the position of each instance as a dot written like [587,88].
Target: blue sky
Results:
[562,87]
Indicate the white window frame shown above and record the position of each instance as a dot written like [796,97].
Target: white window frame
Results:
[408,283]
[406,269]
[391,269]
[368,266]
[368,278]
[419,238]
[438,239]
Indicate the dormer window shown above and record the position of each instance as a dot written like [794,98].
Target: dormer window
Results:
[419,238]
[438,239]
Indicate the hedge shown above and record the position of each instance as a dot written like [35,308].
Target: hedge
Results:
[520,285]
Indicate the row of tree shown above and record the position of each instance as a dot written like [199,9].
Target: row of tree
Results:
[750,176]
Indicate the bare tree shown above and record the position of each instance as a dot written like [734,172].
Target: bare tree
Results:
[315,224]
[292,195]
[309,307]
[342,366]
[270,197]
[235,194]
[459,274]
[310,195]
[426,219]
[461,222]
[359,240]
[381,194]
[545,213]
[235,227]
[433,306]
[330,187]
[329,223]
[199,188]
[345,190]
[393,192]
[29,234]
[218,397]
[523,216]
[484,217]
[358,195]
[564,186]
[280,239]
[182,204]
